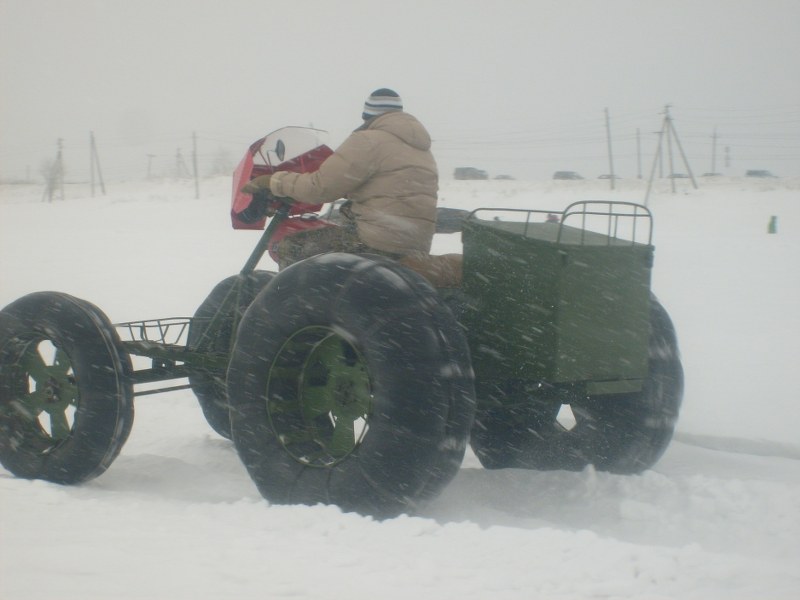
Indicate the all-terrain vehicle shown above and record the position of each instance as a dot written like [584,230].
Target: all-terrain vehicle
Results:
[354,379]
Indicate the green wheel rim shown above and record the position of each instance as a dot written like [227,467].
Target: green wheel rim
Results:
[319,397]
[47,393]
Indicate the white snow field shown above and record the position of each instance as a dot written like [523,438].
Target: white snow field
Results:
[176,517]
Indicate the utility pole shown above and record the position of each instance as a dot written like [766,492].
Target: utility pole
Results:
[94,162]
[638,153]
[669,148]
[91,161]
[610,154]
[668,128]
[194,166]
[714,151]
[55,175]
[656,161]
[683,154]
[659,155]
[60,167]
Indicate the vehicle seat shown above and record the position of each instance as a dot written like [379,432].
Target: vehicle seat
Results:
[441,270]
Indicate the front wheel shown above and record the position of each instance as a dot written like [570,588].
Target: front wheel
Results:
[622,433]
[212,331]
[66,396]
[350,384]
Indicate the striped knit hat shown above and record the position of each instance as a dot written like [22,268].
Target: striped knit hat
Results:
[381,101]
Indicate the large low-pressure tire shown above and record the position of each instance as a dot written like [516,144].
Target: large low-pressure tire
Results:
[66,395]
[622,433]
[209,385]
[350,384]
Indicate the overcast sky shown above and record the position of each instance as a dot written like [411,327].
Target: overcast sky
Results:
[516,87]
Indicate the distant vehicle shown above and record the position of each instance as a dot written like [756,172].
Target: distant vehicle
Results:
[506,177]
[712,175]
[607,176]
[469,173]
[759,173]
[566,175]
[679,176]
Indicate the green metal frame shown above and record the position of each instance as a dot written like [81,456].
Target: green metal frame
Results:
[163,341]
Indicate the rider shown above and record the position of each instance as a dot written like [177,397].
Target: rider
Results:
[387,173]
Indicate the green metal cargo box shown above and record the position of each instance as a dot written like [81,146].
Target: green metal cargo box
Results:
[557,302]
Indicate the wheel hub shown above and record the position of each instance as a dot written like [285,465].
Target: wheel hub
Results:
[51,389]
[319,397]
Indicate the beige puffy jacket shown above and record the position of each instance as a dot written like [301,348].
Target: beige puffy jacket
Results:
[386,168]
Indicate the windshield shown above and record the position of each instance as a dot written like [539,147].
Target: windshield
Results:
[287,143]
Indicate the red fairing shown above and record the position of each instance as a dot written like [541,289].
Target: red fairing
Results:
[306,162]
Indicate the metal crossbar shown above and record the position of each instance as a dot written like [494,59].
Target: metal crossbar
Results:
[615,223]
[614,212]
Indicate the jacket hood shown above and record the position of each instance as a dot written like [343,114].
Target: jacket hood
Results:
[403,126]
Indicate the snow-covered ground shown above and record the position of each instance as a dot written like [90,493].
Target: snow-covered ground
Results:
[176,516]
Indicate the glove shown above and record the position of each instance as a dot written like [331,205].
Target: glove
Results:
[256,185]
[258,209]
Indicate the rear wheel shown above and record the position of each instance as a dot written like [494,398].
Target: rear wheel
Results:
[622,433]
[209,385]
[66,397]
[350,384]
